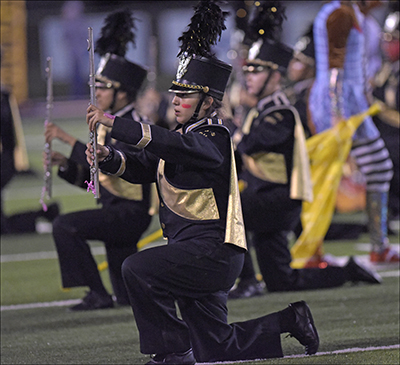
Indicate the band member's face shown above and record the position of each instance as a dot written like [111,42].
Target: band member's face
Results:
[255,81]
[296,70]
[391,49]
[185,105]
[104,98]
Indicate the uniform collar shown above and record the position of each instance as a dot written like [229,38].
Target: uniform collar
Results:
[277,98]
[125,109]
[186,128]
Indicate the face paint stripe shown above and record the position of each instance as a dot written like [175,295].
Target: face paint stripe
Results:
[186,106]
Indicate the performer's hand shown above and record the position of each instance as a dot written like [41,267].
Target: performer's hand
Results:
[95,115]
[57,159]
[102,153]
[54,132]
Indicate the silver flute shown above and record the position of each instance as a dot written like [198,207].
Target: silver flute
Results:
[47,191]
[94,169]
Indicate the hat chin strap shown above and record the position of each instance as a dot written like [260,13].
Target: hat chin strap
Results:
[112,105]
[258,95]
[195,115]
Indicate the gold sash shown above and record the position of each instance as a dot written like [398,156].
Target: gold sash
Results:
[200,204]
[196,204]
[271,166]
[235,232]
[114,184]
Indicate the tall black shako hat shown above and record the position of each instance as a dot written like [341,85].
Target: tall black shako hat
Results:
[262,36]
[114,71]
[199,70]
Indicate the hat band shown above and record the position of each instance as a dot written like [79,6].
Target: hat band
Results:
[109,83]
[257,61]
[205,89]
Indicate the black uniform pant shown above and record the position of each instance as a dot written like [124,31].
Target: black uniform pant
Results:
[197,276]
[273,257]
[269,225]
[24,222]
[119,229]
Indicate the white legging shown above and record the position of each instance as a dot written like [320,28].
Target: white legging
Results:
[372,159]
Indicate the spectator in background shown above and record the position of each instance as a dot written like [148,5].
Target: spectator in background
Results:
[74,36]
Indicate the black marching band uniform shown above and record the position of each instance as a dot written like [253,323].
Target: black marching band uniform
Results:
[8,144]
[12,162]
[124,213]
[25,221]
[200,215]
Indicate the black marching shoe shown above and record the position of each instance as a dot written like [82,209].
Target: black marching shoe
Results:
[179,358]
[356,272]
[247,288]
[303,329]
[93,301]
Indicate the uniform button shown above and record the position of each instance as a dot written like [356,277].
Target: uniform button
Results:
[162,205]
[162,225]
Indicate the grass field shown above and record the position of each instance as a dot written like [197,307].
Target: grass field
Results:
[357,324]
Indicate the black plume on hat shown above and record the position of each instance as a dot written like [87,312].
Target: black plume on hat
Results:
[114,70]
[264,31]
[266,22]
[116,34]
[204,30]
[199,70]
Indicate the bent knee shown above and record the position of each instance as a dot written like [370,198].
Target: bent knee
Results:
[135,267]
[58,224]
[127,266]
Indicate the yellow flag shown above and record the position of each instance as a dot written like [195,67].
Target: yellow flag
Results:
[328,152]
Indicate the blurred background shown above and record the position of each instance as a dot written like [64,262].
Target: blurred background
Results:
[31,31]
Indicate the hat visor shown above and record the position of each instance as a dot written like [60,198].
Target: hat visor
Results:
[103,85]
[184,90]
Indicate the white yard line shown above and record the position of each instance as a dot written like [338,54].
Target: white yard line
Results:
[62,303]
[350,350]
[344,351]
[367,246]
[25,193]
[42,255]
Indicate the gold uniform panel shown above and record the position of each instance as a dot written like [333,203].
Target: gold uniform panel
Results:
[197,204]
[269,166]
[121,188]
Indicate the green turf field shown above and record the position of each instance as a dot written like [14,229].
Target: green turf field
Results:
[357,324]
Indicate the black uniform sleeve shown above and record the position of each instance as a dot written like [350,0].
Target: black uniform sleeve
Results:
[75,173]
[199,148]
[78,154]
[135,167]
